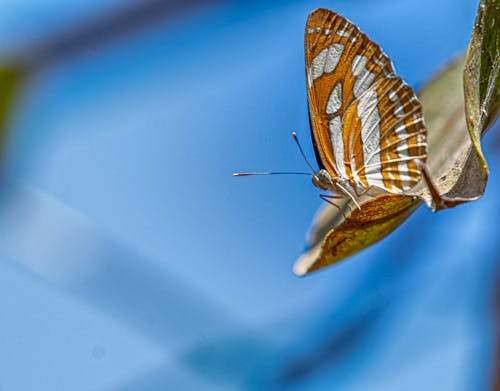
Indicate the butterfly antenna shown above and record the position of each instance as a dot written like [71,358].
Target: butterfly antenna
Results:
[294,135]
[269,173]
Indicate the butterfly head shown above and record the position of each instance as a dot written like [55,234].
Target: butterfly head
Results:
[322,179]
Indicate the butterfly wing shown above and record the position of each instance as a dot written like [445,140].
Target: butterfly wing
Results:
[390,135]
[353,123]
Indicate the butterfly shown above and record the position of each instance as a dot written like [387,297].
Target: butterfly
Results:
[366,123]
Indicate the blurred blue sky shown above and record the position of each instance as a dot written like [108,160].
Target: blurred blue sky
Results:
[132,259]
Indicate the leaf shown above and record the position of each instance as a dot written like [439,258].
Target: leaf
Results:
[482,72]
[454,163]
[455,160]
[378,217]
[456,170]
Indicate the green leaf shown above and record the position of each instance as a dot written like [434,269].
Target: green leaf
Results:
[482,72]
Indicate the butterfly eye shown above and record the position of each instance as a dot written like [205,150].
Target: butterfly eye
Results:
[322,180]
[316,182]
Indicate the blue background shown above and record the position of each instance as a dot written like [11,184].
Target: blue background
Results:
[130,258]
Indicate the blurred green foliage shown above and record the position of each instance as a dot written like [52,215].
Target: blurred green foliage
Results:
[9,82]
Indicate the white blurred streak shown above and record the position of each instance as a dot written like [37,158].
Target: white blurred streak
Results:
[64,248]
[46,236]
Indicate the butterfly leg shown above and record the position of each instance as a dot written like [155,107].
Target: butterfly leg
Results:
[365,191]
[328,198]
[348,194]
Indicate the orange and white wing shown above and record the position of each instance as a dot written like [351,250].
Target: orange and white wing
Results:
[357,106]
[387,130]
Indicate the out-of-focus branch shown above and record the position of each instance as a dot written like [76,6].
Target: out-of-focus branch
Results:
[106,28]
[100,30]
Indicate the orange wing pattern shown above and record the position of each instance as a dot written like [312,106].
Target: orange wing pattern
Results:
[367,124]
